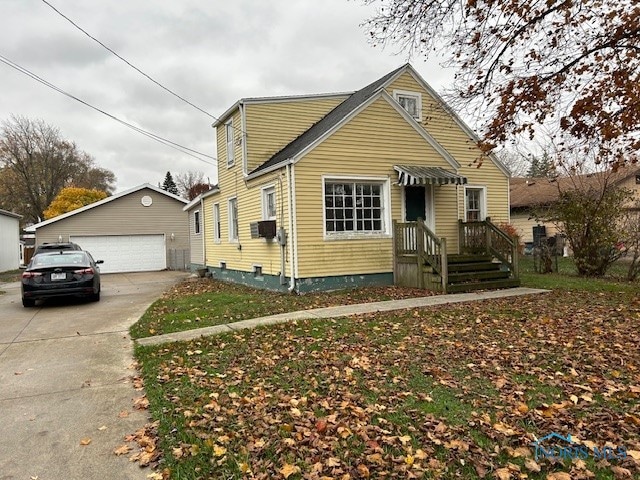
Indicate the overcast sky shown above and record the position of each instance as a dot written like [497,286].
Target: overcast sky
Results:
[211,52]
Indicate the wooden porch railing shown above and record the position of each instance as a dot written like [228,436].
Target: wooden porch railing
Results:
[483,237]
[416,246]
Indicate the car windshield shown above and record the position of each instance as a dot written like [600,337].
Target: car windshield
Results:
[70,258]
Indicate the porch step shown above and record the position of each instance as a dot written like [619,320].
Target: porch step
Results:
[468,258]
[463,277]
[486,285]
[477,272]
[473,266]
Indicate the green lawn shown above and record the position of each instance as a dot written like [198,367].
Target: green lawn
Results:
[567,278]
[458,391]
[205,302]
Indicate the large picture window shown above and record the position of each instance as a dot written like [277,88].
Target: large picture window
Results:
[354,207]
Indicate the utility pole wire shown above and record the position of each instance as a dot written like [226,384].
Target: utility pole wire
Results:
[153,136]
[133,66]
[126,61]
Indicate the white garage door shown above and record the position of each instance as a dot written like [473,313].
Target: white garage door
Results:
[126,253]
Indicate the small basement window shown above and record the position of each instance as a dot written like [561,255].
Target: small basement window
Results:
[223,265]
[257,270]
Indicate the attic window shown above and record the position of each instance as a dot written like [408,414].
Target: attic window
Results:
[411,102]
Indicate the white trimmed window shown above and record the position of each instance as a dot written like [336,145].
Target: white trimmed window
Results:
[269,203]
[196,222]
[233,219]
[355,207]
[216,223]
[411,102]
[228,128]
[474,204]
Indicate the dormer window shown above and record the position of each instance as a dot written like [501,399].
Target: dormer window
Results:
[411,102]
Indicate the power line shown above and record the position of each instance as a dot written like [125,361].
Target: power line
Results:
[153,136]
[131,65]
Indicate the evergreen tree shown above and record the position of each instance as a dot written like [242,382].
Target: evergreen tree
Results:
[169,185]
[541,167]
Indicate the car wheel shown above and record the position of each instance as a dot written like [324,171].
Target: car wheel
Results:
[28,302]
[96,296]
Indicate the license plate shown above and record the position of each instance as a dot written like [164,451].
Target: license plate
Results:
[58,276]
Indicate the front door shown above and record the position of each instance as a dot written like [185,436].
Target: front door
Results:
[414,201]
[417,204]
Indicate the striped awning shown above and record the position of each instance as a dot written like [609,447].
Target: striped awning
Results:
[420,175]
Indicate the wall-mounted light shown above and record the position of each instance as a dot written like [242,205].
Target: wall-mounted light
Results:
[173,237]
[60,238]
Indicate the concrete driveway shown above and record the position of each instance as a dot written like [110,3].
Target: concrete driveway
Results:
[65,375]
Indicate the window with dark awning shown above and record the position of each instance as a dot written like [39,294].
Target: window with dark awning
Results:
[421,175]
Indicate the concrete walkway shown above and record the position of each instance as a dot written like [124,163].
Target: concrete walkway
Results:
[341,311]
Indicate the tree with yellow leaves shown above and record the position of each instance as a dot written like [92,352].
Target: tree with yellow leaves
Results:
[72,198]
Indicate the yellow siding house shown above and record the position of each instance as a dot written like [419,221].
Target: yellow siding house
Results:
[314,192]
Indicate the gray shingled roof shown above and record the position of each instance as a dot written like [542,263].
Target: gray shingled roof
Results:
[326,123]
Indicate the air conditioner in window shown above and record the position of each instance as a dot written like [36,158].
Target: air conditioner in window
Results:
[267,229]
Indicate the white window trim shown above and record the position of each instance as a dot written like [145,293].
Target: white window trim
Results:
[266,190]
[386,208]
[483,200]
[228,126]
[407,93]
[230,220]
[217,236]
[197,223]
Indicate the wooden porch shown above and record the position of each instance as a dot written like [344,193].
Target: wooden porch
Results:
[487,258]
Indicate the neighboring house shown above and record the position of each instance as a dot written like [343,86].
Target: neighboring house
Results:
[9,240]
[309,186]
[530,197]
[140,229]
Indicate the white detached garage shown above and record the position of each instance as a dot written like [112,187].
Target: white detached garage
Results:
[140,229]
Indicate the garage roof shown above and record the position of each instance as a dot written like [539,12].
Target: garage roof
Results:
[9,214]
[33,228]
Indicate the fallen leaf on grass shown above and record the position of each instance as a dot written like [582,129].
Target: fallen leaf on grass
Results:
[287,470]
[559,476]
[503,474]
[620,472]
[531,465]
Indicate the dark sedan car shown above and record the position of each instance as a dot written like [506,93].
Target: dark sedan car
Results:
[49,247]
[61,273]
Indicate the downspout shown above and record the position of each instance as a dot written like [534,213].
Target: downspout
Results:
[294,240]
[202,224]
[292,279]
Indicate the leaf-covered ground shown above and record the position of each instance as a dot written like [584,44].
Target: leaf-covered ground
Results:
[204,302]
[458,391]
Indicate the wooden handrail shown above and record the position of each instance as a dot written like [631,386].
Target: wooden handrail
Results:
[415,239]
[484,236]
